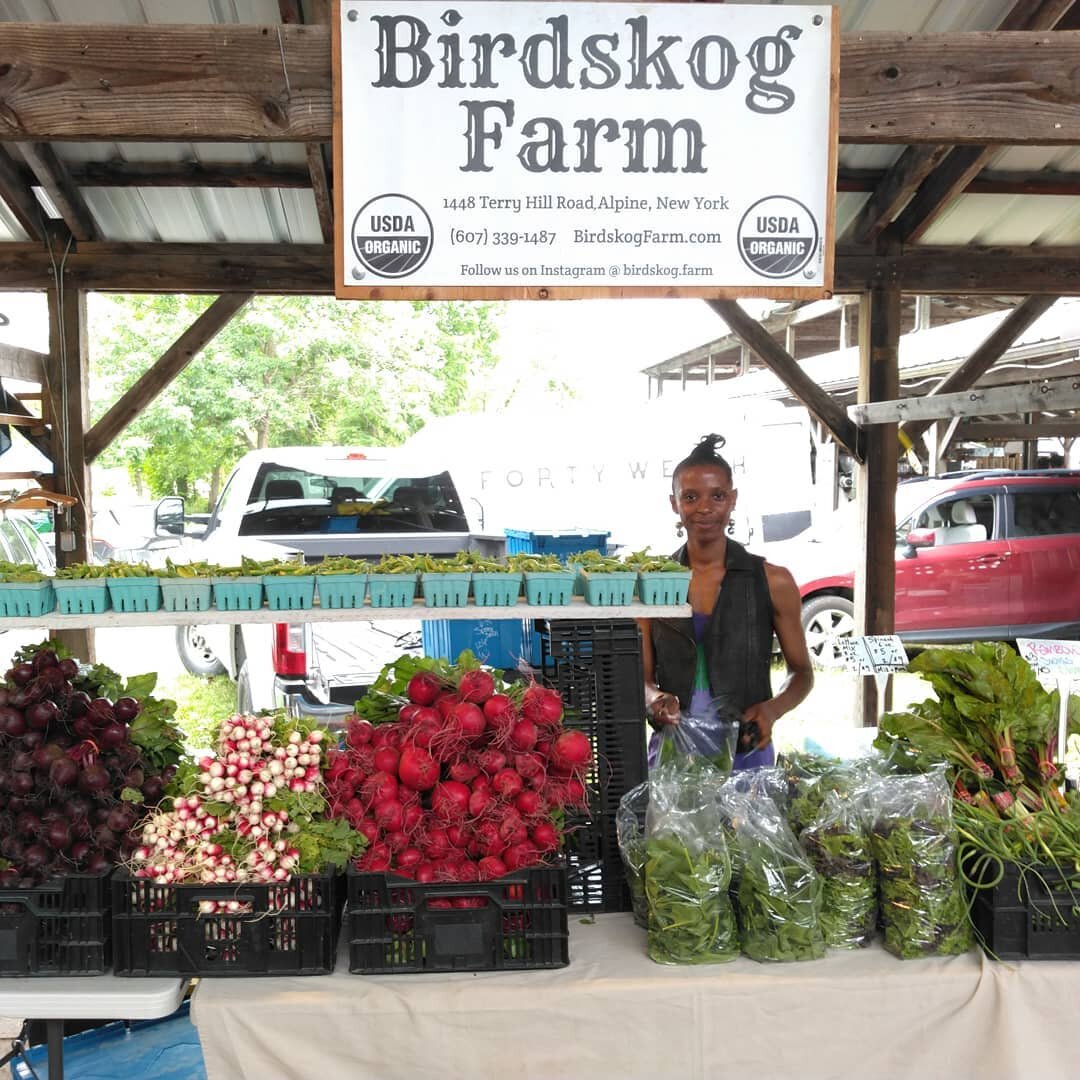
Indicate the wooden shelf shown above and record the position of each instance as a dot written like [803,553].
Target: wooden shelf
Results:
[576,609]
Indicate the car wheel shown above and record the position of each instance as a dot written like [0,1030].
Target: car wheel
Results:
[825,620]
[244,703]
[195,654]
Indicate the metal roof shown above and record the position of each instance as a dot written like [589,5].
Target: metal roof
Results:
[288,215]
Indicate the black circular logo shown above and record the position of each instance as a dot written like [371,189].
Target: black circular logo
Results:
[392,235]
[777,236]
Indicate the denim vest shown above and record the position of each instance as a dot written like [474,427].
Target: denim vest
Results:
[738,637]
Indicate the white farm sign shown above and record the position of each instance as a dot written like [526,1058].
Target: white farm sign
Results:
[607,149]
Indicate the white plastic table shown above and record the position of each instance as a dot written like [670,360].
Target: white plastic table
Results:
[93,997]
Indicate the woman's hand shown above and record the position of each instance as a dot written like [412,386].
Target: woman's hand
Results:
[663,709]
[761,716]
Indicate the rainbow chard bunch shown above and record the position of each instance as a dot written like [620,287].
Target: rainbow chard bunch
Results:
[996,727]
[82,754]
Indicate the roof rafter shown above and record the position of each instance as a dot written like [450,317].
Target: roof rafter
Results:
[936,175]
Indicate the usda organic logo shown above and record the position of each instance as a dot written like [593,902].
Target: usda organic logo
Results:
[392,235]
[777,236]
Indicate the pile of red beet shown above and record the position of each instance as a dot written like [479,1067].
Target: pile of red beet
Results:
[73,783]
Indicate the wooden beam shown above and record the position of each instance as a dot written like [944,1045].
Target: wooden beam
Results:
[52,176]
[171,362]
[18,197]
[1005,431]
[307,269]
[988,182]
[985,356]
[973,270]
[66,382]
[1045,395]
[918,162]
[879,378]
[320,186]
[894,190]
[939,189]
[758,339]
[1036,14]
[229,82]
[260,174]
[25,364]
[780,321]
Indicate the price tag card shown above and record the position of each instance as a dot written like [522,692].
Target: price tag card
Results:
[1054,662]
[878,654]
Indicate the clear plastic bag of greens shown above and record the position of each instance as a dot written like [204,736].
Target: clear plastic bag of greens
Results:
[687,867]
[812,788]
[712,734]
[767,782]
[837,843]
[630,829]
[778,900]
[913,838]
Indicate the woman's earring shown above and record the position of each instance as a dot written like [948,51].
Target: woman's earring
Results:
[678,528]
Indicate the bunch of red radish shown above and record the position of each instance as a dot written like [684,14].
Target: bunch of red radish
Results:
[469,783]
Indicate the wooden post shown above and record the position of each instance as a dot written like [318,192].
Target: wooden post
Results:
[879,380]
[65,390]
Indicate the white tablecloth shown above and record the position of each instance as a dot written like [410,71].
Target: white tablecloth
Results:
[614,1013]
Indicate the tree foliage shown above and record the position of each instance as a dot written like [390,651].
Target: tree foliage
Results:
[284,371]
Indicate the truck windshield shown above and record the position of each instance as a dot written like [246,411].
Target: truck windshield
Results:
[289,500]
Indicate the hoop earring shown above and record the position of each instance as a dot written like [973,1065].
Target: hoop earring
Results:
[679,528]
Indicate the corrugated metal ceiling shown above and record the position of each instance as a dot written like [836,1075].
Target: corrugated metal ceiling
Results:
[288,215]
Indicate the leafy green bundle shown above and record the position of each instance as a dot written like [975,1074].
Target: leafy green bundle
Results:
[779,893]
[923,908]
[691,920]
[687,867]
[630,830]
[838,846]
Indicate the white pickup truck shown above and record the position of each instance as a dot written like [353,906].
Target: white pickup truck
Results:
[285,500]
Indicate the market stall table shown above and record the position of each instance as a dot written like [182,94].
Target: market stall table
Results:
[614,1013]
[95,997]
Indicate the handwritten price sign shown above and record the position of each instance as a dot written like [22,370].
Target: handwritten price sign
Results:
[880,654]
[1053,661]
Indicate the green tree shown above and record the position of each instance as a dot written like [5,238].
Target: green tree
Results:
[284,371]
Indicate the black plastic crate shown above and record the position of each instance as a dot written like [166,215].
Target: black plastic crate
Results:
[60,927]
[1029,916]
[284,928]
[597,669]
[517,923]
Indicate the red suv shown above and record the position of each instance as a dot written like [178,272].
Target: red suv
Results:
[981,555]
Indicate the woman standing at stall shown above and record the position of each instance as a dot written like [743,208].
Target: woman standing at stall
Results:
[722,654]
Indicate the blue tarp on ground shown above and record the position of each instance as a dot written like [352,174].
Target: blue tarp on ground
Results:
[166,1049]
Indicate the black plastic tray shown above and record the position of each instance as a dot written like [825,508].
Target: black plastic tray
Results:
[285,928]
[516,923]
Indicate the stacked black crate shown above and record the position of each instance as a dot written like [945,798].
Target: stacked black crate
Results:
[596,666]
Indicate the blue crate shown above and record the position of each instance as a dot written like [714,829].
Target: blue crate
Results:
[562,543]
[166,1049]
[498,643]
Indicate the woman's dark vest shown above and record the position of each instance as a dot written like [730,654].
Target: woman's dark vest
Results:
[738,637]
